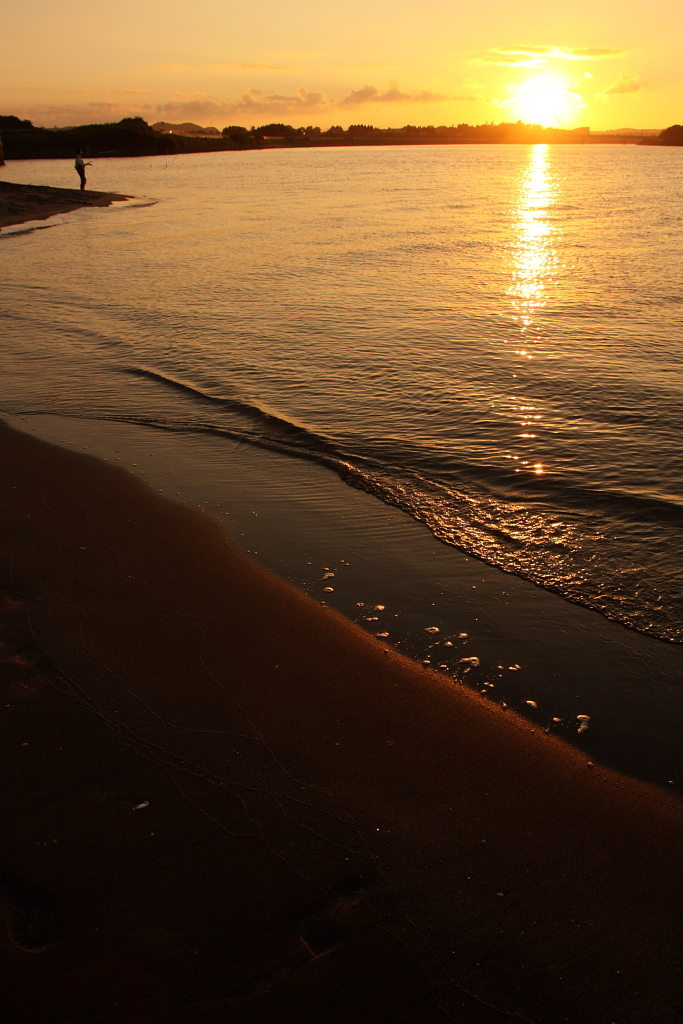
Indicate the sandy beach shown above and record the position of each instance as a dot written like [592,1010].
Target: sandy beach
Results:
[227,802]
[21,203]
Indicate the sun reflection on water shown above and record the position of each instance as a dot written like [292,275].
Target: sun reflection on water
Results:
[533,267]
[534,258]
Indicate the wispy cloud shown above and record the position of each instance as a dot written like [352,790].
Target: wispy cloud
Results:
[213,68]
[623,85]
[538,56]
[566,52]
[251,106]
[500,61]
[255,104]
[371,94]
[257,67]
[369,67]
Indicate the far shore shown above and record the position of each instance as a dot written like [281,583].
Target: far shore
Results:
[22,203]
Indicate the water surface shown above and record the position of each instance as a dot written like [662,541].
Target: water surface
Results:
[485,336]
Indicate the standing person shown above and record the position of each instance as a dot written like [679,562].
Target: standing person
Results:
[80,166]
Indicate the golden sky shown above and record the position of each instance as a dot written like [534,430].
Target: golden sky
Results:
[603,63]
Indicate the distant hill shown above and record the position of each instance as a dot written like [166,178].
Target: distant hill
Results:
[671,136]
[186,128]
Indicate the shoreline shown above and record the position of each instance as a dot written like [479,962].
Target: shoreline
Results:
[548,659]
[22,203]
[382,843]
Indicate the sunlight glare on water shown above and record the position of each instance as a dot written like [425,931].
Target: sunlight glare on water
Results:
[534,261]
[533,257]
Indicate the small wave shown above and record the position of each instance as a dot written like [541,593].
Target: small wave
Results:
[9,233]
[569,551]
[277,427]
[171,382]
[526,487]
[134,204]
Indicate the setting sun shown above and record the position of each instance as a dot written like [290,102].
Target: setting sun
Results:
[545,100]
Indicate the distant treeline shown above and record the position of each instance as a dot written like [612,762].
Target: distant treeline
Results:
[134,137]
[130,137]
[368,135]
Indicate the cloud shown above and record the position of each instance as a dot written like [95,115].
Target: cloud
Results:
[566,52]
[371,94]
[368,67]
[623,85]
[257,67]
[213,68]
[498,61]
[256,104]
[538,56]
[253,107]
[250,106]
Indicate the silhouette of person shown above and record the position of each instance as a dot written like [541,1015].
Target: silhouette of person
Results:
[80,166]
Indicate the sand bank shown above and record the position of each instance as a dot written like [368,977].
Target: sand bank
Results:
[21,203]
[229,803]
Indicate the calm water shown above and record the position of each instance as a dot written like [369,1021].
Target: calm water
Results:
[487,337]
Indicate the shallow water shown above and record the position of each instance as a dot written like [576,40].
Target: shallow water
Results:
[548,659]
[485,336]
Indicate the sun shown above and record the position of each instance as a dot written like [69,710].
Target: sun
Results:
[544,100]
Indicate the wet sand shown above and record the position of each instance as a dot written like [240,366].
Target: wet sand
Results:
[225,802]
[21,203]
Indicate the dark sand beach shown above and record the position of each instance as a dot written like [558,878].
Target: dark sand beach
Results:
[224,802]
[21,203]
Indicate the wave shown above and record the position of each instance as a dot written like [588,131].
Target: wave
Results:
[9,233]
[583,543]
[277,427]
[589,555]
[493,481]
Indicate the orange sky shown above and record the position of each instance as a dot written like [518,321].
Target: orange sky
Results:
[602,63]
